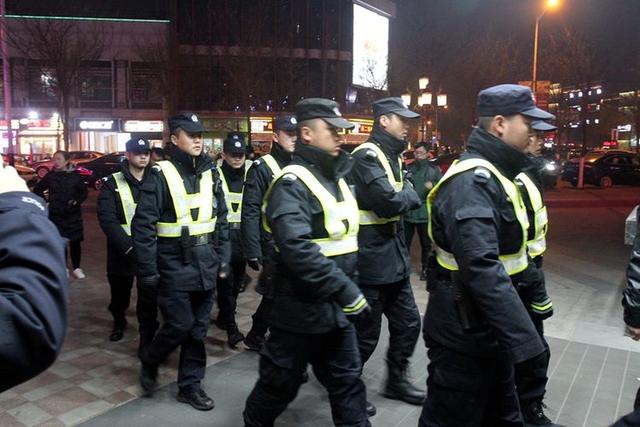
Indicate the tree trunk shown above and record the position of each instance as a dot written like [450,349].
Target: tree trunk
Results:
[65,122]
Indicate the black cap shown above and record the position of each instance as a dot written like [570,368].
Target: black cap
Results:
[138,145]
[285,123]
[393,105]
[542,126]
[234,144]
[509,100]
[321,108]
[189,122]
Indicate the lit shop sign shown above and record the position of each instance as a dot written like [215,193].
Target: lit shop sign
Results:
[364,128]
[96,124]
[261,125]
[624,128]
[143,126]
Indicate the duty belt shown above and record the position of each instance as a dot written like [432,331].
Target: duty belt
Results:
[388,229]
[199,240]
[234,226]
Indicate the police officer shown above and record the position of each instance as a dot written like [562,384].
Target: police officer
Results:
[383,260]
[119,194]
[257,242]
[181,240]
[314,219]
[33,283]
[531,375]
[232,172]
[475,326]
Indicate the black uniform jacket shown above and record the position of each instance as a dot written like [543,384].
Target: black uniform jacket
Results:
[631,293]
[67,191]
[310,289]
[383,257]
[474,220]
[121,258]
[164,256]
[257,243]
[33,288]
[235,182]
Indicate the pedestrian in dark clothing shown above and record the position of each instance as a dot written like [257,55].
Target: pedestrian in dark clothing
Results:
[66,192]
[119,195]
[33,283]
[257,243]
[424,176]
[475,326]
[314,220]
[181,240]
[384,195]
[233,172]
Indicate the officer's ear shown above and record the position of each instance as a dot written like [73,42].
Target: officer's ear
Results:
[174,139]
[306,130]
[384,120]
[498,125]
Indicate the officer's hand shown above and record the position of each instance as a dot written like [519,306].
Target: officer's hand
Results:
[224,270]
[254,263]
[149,281]
[408,176]
[10,180]
[428,185]
[634,333]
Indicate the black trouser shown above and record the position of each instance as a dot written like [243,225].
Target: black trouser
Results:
[228,290]
[146,306]
[531,375]
[423,235]
[466,391]
[75,251]
[336,363]
[395,301]
[186,318]
[260,323]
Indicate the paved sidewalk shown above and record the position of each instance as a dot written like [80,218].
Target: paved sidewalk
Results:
[566,196]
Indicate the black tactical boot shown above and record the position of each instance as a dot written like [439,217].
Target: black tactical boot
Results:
[234,335]
[148,377]
[254,341]
[198,399]
[423,274]
[118,330]
[533,414]
[371,409]
[399,388]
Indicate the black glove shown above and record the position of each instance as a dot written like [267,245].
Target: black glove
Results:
[408,176]
[149,281]
[254,263]
[359,310]
[224,270]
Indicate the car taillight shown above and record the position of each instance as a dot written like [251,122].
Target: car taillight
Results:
[84,171]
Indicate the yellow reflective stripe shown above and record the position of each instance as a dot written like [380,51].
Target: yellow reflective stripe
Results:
[331,247]
[370,217]
[272,164]
[360,303]
[183,203]
[126,199]
[167,229]
[537,245]
[512,263]
[542,306]
[233,215]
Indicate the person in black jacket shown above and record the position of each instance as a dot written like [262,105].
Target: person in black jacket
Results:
[66,192]
[232,174]
[475,326]
[181,240]
[257,243]
[383,260]
[33,283]
[119,195]
[314,219]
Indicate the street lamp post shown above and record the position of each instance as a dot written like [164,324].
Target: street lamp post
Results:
[550,4]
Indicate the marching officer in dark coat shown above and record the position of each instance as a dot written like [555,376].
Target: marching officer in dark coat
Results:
[531,375]
[475,327]
[233,172]
[119,195]
[257,242]
[314,219]
[383,259]
[33,283]
[181,240]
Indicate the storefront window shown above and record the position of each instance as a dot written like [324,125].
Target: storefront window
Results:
[146,90]
[96,85]
[42,82]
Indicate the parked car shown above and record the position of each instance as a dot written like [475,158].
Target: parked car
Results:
[25,172]
[43,167]
[605,168]
[96,169]
[444,161]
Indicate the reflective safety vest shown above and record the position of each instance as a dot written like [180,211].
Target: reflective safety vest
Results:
[538,244]
[370,217]
[272,164]
[513,263]
[233,215]
[342,239]
[183,203]
[126,199]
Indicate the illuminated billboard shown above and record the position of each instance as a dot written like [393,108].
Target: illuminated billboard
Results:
[370,48]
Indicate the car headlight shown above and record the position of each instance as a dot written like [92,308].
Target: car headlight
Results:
[551,166]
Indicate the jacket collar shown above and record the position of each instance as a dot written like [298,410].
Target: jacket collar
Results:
[128,176]
[282,157]
[390,145]
[330,167]
[506,158]
[190,164]
[231,172]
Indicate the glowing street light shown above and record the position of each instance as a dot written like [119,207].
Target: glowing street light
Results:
[549,5]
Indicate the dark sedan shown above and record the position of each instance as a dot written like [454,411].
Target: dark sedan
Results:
[605,168]
[97,169]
